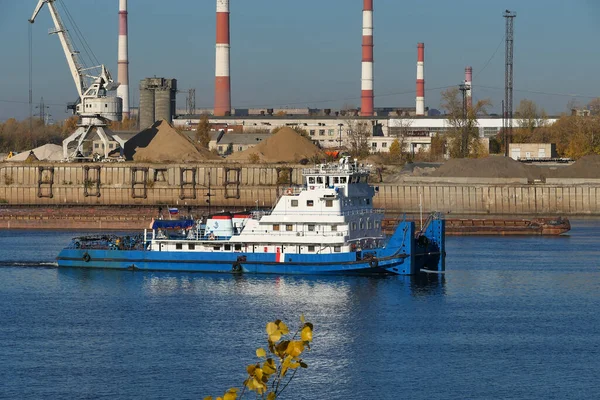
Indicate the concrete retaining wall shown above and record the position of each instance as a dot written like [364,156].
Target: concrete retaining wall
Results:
[236,185]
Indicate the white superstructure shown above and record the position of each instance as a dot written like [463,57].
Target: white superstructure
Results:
[332,212]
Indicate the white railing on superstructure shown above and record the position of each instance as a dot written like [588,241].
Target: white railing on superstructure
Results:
[367,211]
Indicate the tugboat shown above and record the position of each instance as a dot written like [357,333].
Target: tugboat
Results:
[326,226]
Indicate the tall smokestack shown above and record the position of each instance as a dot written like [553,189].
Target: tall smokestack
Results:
[222,80]
[366,95]
[469,85]
[420,79]
[123,61]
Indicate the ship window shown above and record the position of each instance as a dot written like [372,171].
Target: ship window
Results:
[328,203]
[354,226]
[178,246]
[191,246]
[319,179]
[311,179]
[275,227]
[362,224]
[343,179]
[294,203]
[334,228]
[337,249]
[227,247]
[369,225]
[311,248]
[368,201]
[311,228]
[237,247]
[336,180]
[96,145]
[216,248]
[310,203]
[289,228]
[377,224]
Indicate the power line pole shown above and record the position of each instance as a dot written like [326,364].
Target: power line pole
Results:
[508,78]
[464,140]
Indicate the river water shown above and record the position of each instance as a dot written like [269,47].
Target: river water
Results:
[512,318]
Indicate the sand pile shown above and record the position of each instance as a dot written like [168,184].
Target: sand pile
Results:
[284,146]
[489,167]
[585,167]
[162,143]
[47,152]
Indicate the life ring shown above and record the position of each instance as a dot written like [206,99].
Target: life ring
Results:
[288,191]
[211,236]
[373,263]
[86,257]
[236,267]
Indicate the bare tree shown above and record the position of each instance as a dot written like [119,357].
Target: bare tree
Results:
[463,133]
[359,133]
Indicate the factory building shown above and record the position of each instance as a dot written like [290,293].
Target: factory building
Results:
[330,131]
[157,100]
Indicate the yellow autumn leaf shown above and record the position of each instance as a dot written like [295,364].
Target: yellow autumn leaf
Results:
[274,337]
[261,353]
[283,328]
[295,348]
[302,319]
[271,396]
[208,398]
[230,395]
[271,328]
[269,367]
[250,369]
[307,335]
[258,373]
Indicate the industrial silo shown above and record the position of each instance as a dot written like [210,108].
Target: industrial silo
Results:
[163,104]
[147,115]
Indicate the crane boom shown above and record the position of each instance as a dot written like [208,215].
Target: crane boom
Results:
[65,41]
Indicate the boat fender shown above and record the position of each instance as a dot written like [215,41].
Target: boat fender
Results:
[373,263]
[236,267]
[86,257]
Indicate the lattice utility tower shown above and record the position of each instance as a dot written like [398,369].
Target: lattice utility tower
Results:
[508,79]
[191,102]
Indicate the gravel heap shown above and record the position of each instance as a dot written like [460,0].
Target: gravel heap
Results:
[163,143]
[489,167]
[284,146]
[585,167]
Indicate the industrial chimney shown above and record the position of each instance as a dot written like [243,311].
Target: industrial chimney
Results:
[123,61]
[469,85]
[366,104]
[420,111]
[222,80]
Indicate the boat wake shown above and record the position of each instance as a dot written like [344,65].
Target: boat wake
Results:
[29,264]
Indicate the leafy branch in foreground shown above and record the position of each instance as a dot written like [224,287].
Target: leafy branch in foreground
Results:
[271,375]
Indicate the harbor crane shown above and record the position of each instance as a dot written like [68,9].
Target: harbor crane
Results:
[94,107]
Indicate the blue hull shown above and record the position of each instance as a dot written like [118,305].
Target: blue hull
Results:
[401,256]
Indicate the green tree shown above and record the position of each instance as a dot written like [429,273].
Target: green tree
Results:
[203,131]
[278,364]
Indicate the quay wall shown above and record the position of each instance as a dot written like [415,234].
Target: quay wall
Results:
[259,185]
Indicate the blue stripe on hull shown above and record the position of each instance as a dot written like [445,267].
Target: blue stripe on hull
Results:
[260,263]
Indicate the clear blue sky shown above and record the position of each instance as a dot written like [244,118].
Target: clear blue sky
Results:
[307,53]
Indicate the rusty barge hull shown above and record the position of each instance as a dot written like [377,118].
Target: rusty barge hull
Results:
[500,226]
[536,227]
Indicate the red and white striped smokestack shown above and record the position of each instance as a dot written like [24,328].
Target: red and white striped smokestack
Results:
[420,79]
[366,103]
[123,61]
[469,85]
[222,80]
